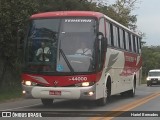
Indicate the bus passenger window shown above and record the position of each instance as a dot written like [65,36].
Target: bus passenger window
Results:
[138,47]
[127,40]
[124,39]
[121,39]
[139,41]
[108,33]
[101,26]
[111,34]
[119,44]
[134,43]
[115,34]
[130,43]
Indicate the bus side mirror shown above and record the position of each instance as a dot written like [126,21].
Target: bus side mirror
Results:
[103,41]
[100,35]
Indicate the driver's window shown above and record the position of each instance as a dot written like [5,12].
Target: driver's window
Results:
[100,39]
[101,26]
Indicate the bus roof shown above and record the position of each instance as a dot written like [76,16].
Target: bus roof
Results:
[79,13]
[67,13]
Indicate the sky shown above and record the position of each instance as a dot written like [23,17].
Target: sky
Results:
[148,20]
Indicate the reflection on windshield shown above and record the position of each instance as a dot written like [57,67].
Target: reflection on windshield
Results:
[56,45]
[79,49]
[154,74]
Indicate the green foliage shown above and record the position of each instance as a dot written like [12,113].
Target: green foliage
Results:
[13,16]
[63,5]
[10,93]
[151,57]
[123,9]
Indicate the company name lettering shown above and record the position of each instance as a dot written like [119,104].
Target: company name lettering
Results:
[78,20]
[130,59]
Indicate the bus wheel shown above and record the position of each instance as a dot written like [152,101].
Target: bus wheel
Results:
[103,101]
[47,102]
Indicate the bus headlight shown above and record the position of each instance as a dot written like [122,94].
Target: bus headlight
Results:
[84,84]
[29,83]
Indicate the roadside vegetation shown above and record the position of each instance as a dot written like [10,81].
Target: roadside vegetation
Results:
[10,94]
[14,15]
[151,57]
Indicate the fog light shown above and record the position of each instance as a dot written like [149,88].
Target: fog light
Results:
[90,93]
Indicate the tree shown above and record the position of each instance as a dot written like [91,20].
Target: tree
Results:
[123,8]
[13,14]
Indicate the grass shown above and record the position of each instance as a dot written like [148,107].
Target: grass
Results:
[8,94]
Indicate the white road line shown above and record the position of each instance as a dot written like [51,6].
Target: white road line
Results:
[20,107]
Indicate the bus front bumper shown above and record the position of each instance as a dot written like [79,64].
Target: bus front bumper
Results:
[88,93]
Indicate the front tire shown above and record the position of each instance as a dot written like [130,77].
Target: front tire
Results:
[47,102]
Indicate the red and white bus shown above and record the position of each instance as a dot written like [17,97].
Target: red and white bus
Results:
[54,70]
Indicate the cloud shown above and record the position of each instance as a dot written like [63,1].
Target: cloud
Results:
[150,26]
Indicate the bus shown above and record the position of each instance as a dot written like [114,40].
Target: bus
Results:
[53,70]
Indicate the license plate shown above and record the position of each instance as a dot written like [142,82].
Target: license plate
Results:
[154,81]
[51,92]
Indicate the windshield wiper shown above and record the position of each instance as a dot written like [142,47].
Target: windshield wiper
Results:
[66,60]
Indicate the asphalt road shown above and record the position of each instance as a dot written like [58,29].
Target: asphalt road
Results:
[146,99]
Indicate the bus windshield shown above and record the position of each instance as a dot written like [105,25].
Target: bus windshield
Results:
[61,45]
[154,74]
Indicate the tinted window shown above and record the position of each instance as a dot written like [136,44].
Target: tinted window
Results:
[130,43]
[119,43]
[108,33]
[111,34]
[121,38]
[124,39]
[101,26]
[115,36]
[134,43]
[127,40]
